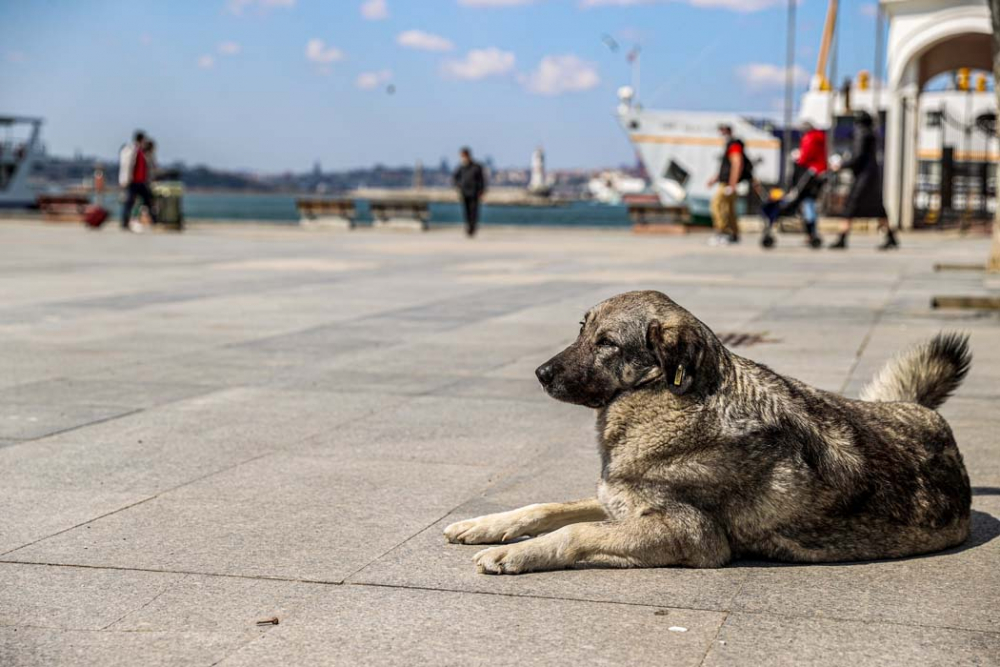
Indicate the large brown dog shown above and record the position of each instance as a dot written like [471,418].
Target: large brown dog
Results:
[707,456]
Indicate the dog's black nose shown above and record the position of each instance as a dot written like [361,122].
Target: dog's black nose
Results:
[545,373]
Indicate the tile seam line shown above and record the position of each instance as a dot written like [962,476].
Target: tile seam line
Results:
[138,502]
[200,394]
[715,636]
[838,619]
[871,331]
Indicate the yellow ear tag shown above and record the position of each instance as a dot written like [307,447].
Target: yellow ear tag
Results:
[679,376]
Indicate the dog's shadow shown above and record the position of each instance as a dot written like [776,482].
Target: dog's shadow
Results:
[984,529]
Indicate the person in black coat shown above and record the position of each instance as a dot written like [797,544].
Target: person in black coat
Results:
[471,184]
[865,198]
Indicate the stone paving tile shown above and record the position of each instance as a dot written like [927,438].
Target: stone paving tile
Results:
[768,639]
[959,588]
[364,625]
[63,391]
[72,598]
[196,603]
[280,516]
[27,421]
[30,647]
[155,450]
[34,514]
[495,433]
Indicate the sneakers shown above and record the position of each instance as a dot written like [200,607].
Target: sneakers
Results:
[814,242]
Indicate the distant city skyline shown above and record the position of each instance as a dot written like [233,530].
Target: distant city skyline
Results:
[275,85]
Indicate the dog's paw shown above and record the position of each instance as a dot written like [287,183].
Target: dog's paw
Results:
[491,528]
[527,556]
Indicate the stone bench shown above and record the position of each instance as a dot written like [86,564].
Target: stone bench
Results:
[408,214]
[654,218]
[327,213]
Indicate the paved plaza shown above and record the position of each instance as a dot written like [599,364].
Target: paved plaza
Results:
[200,432]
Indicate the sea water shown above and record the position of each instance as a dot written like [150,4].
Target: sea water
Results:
[280,208]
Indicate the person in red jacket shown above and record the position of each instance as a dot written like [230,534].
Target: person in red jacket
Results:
[812,163]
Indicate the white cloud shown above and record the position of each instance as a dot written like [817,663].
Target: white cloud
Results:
[371,80]
[763,76]
[423,41]
[374,10]
[206,62]
[480,64]
[238,6]
[229,48]
[561,74]
[495,3]
[743,6]
[318,52]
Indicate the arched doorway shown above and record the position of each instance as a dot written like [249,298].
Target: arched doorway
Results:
[926,38]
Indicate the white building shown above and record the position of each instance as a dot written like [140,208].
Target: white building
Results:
[926,38]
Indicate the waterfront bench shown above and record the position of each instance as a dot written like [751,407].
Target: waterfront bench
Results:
[63,208]
[410,214]
[655,218]
[327,212]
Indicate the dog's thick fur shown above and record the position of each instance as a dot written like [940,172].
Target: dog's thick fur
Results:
[707,456]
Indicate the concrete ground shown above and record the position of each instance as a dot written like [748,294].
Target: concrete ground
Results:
[203,431]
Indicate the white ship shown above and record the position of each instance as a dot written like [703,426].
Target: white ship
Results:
[19,151]
[681,150]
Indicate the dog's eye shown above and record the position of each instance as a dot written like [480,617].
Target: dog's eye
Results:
[607,342]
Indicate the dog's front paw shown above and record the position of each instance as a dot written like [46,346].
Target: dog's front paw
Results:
[491,528]
[514,559]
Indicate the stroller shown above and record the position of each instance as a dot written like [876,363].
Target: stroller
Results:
[776,204]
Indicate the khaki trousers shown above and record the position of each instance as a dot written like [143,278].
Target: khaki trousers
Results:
[723,209]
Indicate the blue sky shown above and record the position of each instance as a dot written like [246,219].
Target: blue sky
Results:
[273,85]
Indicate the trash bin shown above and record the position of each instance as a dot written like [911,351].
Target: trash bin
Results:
[167,196]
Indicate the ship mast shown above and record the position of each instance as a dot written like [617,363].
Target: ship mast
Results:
[824,49]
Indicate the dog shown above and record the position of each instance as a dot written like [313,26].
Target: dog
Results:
[707,456]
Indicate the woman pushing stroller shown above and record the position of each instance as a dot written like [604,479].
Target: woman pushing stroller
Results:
[810,175]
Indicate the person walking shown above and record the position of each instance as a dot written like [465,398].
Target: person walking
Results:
[865,197]
[471,184]
[133,176]
[733,168]
[812,165]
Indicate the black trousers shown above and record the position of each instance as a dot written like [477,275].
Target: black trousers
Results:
[470,207]
[142,191]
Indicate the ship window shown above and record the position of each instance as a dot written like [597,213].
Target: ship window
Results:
[934,118]
[633,125]
[675,172]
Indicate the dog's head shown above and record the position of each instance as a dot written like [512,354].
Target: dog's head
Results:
[630,341]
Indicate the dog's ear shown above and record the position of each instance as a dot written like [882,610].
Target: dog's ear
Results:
[680,352]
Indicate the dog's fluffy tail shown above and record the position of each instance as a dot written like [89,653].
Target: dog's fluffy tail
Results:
[926,374]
